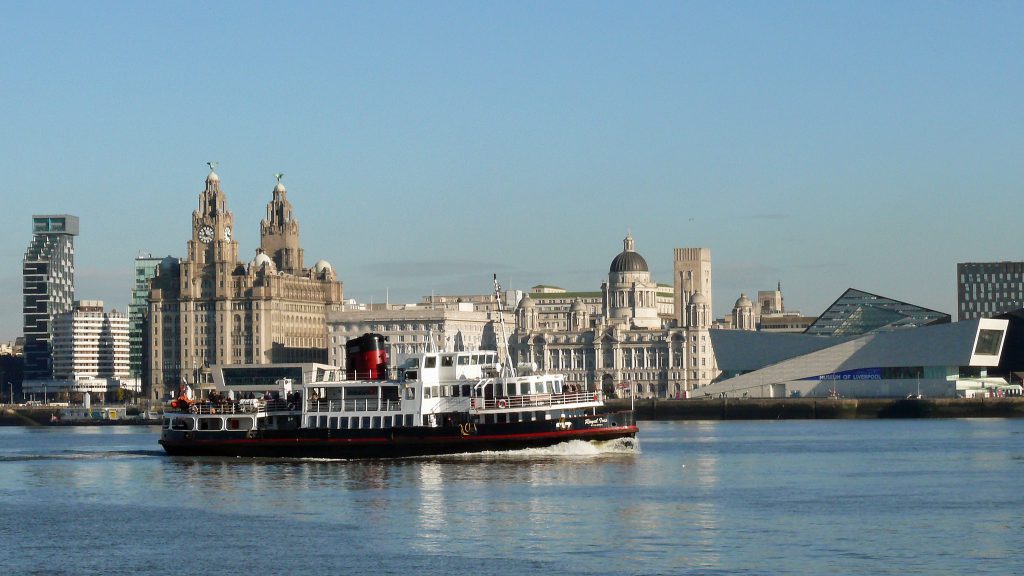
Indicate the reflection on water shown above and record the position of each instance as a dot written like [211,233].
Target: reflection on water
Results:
[728,497]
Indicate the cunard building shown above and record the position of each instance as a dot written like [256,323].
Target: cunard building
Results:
[629,348]
[213,308]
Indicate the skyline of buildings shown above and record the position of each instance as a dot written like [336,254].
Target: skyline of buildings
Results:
[211,308]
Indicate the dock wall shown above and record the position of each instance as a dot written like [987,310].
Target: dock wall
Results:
[825,408]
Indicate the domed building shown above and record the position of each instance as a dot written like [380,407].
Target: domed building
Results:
[212,308]
[619,341]
[743,316]
[630,297]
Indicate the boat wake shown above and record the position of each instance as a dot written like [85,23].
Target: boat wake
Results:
[80,455]
[569,449]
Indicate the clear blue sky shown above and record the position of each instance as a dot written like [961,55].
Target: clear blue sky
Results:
[426,145]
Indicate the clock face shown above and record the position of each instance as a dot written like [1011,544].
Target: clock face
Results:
[206,234]
[227,233]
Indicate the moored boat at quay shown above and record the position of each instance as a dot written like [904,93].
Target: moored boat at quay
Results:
[433,403]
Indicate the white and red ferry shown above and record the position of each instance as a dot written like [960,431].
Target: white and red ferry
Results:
[433,403]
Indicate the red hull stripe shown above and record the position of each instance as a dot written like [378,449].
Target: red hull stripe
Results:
[431,439]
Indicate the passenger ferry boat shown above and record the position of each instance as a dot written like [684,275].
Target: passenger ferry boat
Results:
[433,403]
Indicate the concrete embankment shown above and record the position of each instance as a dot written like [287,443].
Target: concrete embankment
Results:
[825,408]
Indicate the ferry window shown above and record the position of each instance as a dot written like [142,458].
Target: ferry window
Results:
[376,422]
[465,390]
[430,362]
[210,423]
[558,387]
[333,422]
[426,392]
[366,422]
[474,359]
[455,390]
[426,420]
[410,393]
[408,419]
[167,423]
[343,422]
[463,360]
[323,422]
[312,422]
[447,361]
[182,424]
[435,390]
[387,422]
[524,388]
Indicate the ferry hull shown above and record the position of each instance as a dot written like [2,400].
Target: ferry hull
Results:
[398,442]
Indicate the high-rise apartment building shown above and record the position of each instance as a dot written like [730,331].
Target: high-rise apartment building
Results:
[986,289]
[89,342]
[48,273]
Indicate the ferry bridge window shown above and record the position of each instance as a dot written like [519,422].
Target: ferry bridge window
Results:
[524,388]
[447,361]
[463,360]
[430,362]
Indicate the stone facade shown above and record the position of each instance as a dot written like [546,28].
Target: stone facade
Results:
[212,308]
[409,330]
[627,349]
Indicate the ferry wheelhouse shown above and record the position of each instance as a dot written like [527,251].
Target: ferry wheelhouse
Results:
[432,403]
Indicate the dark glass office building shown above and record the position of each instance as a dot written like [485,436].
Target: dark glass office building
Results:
[987,289]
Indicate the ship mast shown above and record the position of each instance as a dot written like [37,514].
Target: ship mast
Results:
[508,369]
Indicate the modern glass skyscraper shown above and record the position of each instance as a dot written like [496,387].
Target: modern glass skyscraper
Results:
[138,310]
[48,272]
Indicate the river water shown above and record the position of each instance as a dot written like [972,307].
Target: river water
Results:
[765,497]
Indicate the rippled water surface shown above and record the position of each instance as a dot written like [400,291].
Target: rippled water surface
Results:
[789,497]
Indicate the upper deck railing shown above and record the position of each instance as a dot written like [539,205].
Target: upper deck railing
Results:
[355,405]
[537,401]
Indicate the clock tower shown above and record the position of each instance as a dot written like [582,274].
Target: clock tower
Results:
[211,308]
[212,227]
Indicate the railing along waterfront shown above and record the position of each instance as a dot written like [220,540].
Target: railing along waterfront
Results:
[536,400]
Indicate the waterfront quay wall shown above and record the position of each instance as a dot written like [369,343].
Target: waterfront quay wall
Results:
[823,408]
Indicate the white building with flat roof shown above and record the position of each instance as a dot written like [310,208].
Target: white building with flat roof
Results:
[90,352]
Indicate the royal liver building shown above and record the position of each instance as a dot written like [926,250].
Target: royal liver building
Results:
[623,345]
[212,308]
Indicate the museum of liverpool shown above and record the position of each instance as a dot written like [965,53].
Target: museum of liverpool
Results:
[938,360]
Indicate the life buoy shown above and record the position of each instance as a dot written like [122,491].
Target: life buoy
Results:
[502,404]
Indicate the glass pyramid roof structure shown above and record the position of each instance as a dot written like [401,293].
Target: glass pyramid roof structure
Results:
[857,312]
